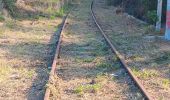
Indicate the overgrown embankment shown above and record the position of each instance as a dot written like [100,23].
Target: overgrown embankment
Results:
[35,8]
[142,9]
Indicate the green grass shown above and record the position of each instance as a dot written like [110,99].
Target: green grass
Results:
[2,31]
[103,65]
[163,58]
[102,49]
[102,78]
[108,66]
[11,24]
[145,74]
[87,88]
[115,59]
[2,18]
[85,60]
[137,58]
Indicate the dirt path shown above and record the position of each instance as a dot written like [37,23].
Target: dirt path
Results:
[148,58]
[88,70]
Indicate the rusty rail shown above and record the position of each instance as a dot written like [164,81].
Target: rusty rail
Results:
[120,57]
[55,59]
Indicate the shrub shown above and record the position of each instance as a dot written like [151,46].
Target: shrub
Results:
[152,16]
[10,5]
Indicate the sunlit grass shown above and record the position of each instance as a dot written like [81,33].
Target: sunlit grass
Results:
[8,71]
[145,74]
[87,88]
[23,49]
[165,83]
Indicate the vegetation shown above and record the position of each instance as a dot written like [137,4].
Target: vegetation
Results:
[2,18]
[34,9]
[87,88]
[142,9]
[10,5]
[145,74]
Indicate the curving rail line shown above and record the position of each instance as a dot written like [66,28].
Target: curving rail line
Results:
[120,57]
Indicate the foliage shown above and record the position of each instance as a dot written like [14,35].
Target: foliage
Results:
[142,9]
[152,16]
[1,18]
[35,9]
[10,5]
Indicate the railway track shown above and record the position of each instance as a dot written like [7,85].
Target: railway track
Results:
[121,59]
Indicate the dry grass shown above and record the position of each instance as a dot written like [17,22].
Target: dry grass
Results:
[149,56]
[25,48]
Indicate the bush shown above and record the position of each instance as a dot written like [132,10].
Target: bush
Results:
[10,5]
[142,9]
[2,18]
[152,16]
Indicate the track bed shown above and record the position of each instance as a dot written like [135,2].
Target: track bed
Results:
[87,68]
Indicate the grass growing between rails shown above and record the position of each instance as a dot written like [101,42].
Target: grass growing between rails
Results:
[87,88]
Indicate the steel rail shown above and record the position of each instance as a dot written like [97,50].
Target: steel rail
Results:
[120,57]
[55,59]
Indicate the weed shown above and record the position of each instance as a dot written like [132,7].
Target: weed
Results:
[60,13]
[86,60]
[115,58]
[113,78]
[101,49]
[102,78]
[79,89]
[137,58]
[104,65]
[25,72]
[87,88]
[10,5]
[152,16]
[163,58]
[165,83]
[116,66]
[149,29]
[52,17]
[2,18]
[2,30]
[10,24]
[145,73]
[5,71]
